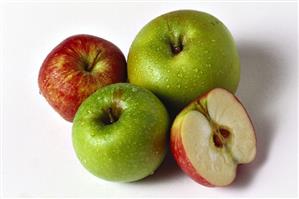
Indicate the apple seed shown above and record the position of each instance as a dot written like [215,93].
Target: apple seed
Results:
[225,133]
[217,141]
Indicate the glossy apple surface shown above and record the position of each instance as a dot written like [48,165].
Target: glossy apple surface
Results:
[76,68]
[183,54]
[211,137]
[120,133]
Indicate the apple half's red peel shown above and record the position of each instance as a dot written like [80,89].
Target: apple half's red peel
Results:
[211,136]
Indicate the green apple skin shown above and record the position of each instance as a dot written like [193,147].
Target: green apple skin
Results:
[133,144]
[183,54]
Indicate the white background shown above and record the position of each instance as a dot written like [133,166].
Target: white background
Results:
[37,154]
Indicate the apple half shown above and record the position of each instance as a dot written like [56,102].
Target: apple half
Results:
[211,136]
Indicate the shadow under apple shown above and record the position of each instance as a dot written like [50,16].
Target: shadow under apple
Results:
[260,85]
[166,172]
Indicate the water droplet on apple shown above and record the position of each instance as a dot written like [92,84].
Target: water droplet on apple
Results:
[179,86]
[196,70]
[167,86]
[84,161]
[179,75]
[213,40]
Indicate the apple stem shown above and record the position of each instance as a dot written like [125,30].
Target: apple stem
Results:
[110,115]
[176,45]
[95,60]
[176,49]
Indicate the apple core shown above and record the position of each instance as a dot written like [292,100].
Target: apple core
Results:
[220,137]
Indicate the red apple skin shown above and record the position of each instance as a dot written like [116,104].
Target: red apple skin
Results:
[177,147]
[180,155]
[65,83]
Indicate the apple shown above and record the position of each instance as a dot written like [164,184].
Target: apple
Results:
[211,136]
[120,133]
[183,54]
[76,68]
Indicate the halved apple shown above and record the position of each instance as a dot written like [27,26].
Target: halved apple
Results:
[211,136]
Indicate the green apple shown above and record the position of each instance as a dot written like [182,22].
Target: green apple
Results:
[119,132]
[183,54]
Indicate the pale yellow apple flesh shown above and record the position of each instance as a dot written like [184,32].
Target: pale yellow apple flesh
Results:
[214,154]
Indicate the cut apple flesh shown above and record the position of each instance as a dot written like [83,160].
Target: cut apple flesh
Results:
[217,136]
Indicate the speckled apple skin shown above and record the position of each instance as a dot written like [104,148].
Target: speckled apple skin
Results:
[64,82]
[131,148]
[208,57]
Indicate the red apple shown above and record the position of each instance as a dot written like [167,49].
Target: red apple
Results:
[211,136]
[76,68]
